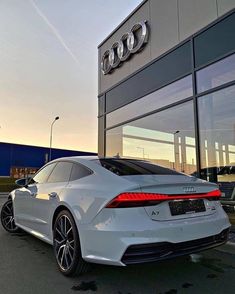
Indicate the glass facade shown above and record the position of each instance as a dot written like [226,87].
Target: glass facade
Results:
[216,74]
[217,138]
[166,133]
[189,124]
[166,137]
[171,93]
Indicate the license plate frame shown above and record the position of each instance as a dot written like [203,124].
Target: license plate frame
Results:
[186,206]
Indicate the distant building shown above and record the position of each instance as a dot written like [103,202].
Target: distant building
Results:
[22,160]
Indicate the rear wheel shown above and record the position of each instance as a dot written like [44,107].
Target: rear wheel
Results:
[66,245]
[7,218]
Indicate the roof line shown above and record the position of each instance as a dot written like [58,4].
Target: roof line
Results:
[125,19]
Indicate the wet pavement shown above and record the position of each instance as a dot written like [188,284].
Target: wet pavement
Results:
[27,266]
[232,236]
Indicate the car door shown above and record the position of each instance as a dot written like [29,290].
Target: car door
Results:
[48,197]
[24,198]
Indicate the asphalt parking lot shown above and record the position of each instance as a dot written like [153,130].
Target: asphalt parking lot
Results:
[27,266]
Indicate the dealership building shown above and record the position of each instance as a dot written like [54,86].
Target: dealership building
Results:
[167,88]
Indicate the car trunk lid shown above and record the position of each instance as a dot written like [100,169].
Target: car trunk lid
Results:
[182,185]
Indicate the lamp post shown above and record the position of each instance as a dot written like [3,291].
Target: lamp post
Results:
[176,132]
[56,118]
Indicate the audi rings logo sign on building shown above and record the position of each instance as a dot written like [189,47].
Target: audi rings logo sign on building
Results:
[130,43]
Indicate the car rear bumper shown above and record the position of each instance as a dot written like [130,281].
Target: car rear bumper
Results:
[107,239]
[143,253]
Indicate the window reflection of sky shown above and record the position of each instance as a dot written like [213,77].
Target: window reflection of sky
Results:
[217,127]
[216,74]
[172,93]
[166,138]
[146,133]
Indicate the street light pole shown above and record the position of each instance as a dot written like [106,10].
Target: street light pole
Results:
[56,118]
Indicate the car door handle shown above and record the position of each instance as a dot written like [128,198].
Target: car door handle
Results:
[53,194]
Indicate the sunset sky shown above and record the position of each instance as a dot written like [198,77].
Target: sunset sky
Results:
[48,68]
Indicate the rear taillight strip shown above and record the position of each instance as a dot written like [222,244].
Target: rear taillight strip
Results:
[133,199]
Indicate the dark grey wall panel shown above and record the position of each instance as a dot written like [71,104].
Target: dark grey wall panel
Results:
[215,42]
[101,127]
[158,74]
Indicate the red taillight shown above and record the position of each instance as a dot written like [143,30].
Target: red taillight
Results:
[134,199]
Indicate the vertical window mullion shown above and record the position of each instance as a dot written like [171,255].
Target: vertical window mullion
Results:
[195,107]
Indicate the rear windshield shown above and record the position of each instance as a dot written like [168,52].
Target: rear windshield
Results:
[129,167]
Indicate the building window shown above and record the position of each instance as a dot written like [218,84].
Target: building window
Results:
[174,92]
[216,74]
[217,138]
[166,138]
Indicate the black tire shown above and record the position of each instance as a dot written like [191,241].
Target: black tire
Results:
[66,245]
[7,218]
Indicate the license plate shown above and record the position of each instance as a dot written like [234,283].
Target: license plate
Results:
[187,206]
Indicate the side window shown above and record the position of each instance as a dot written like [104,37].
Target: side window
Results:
[61,172]
[43,174]
[79,171]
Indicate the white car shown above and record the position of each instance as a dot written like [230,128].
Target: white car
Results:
[116,211]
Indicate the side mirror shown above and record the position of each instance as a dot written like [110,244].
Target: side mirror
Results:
[22,182]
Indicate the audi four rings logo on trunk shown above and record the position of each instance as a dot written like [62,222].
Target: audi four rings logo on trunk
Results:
[189,189]
[130,43]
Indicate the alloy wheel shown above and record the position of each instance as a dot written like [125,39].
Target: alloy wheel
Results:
[64,242]
[7,217]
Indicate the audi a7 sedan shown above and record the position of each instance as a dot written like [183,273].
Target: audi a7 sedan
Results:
[116,211]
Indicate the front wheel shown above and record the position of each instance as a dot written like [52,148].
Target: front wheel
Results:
[7,217]
[66,245]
